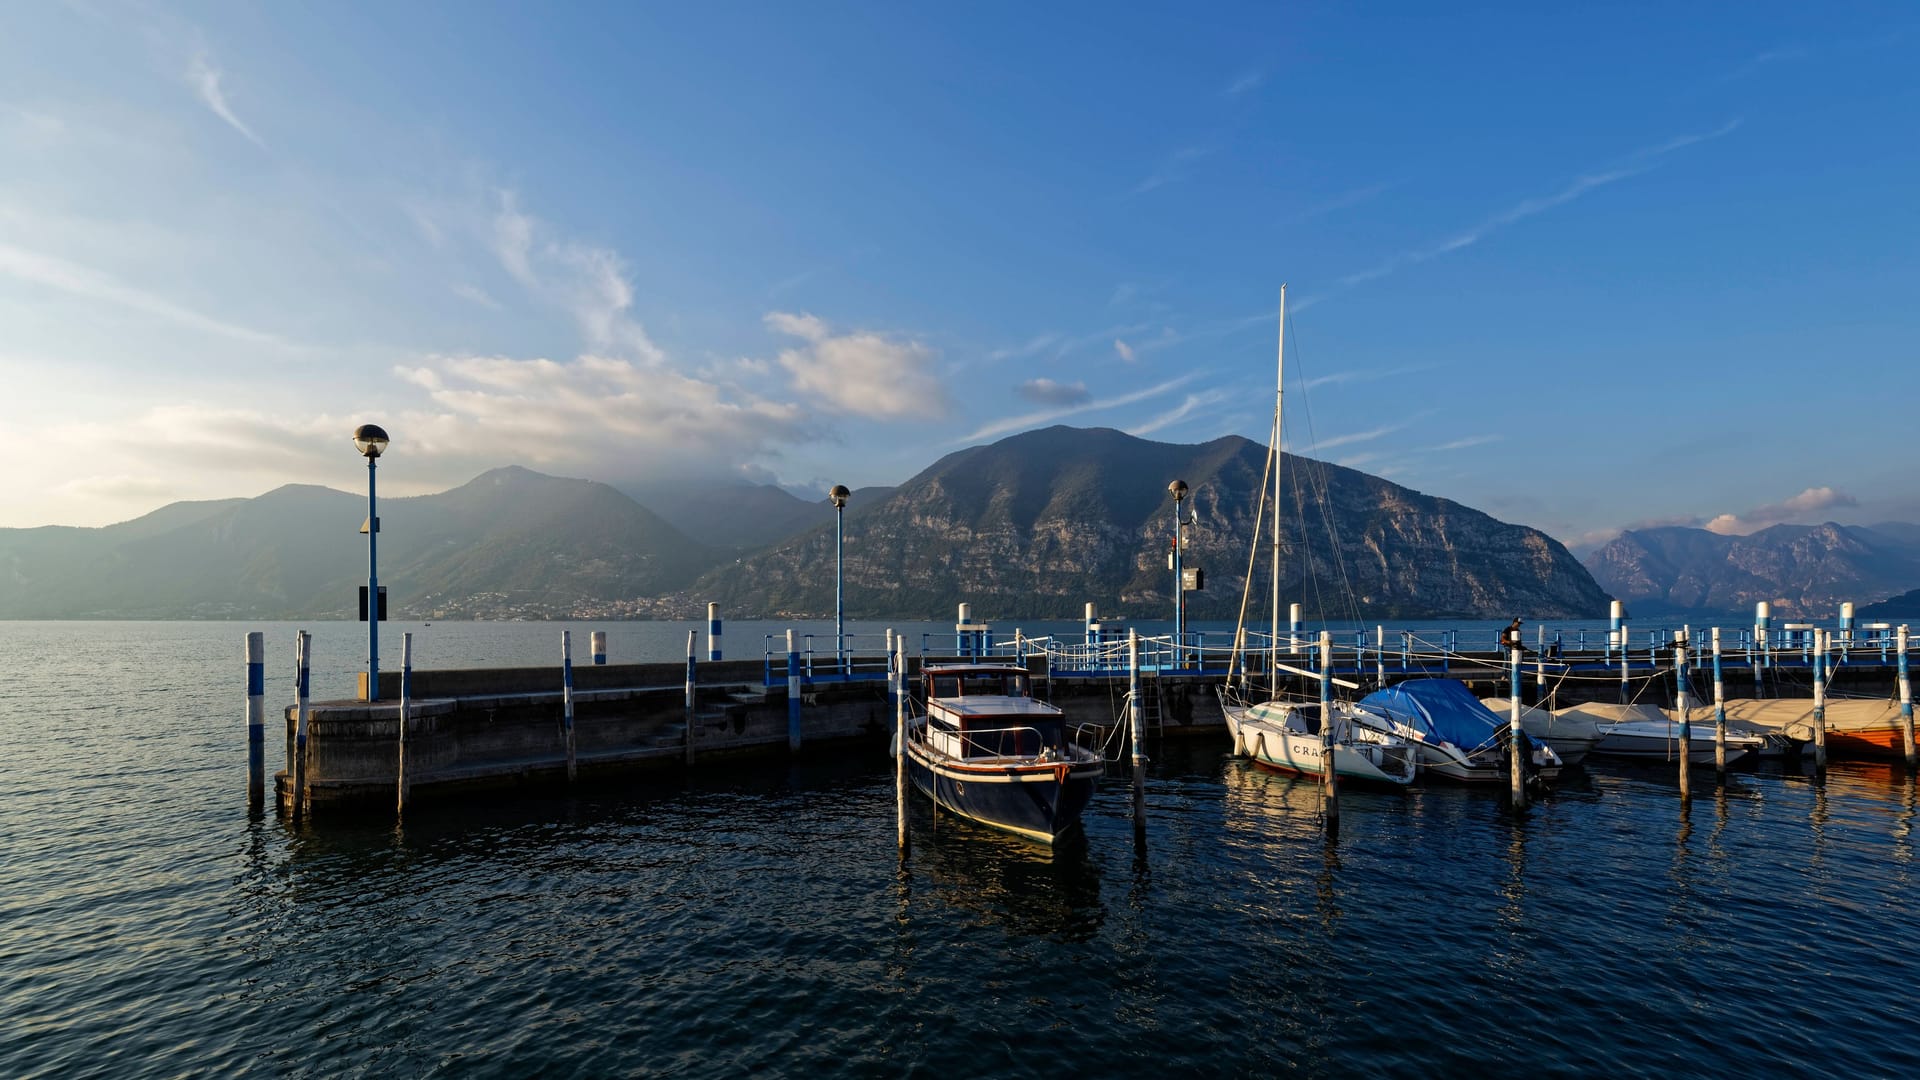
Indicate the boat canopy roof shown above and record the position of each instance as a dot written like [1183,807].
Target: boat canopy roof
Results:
[1440,707]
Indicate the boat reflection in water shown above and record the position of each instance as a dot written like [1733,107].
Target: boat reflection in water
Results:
[1013,883]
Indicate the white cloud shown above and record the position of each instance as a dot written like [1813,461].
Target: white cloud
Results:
[1124,350]
[1462,444]
[1172,169]
[1809,506]
[475,294]
[205,80]
[863,373]
[1049,392]
[1183,411]
[1246,81]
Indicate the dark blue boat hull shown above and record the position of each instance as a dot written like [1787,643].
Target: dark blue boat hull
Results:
[1035,801]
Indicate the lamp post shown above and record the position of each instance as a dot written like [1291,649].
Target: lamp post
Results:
[1179,490]
[371,441]
[839,496]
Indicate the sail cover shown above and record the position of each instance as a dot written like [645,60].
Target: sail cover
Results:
[1444,708]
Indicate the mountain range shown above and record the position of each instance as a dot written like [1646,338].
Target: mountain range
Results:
[1033,525]
[1803,571]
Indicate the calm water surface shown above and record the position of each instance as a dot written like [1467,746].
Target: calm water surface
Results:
[758,919]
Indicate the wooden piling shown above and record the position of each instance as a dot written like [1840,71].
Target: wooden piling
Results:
[1133,719]
[692,637]
[1906,699]
[256,661]
[1680,706]
[301,686]
[1329,776]
[566,697]
[1516,736]
[1719,715]
[1819,701]
[400,782]
[897,680]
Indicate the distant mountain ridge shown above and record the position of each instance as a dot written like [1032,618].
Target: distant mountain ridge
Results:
[1036,524]
[1801,570]
[1040,523]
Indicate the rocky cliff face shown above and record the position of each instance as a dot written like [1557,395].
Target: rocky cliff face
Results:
[1802,570]
[1040,523]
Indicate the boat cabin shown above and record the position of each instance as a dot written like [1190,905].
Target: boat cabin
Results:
[988,711]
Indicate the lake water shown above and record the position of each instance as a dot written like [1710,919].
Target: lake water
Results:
[758,920]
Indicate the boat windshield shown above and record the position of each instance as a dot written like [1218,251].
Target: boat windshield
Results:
[980,684]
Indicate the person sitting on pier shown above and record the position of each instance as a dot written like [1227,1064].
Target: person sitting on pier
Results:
[1510,638]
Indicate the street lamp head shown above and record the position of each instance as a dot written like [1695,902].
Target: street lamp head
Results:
[1179,489]
[839,495]
[370,440]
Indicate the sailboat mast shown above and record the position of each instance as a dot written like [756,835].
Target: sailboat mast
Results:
[1279,396]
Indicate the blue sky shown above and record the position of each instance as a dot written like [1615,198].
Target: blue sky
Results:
[1581,270]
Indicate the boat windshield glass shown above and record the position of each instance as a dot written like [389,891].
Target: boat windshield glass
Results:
[976,684]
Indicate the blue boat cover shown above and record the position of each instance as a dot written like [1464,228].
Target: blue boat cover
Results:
[1440,707]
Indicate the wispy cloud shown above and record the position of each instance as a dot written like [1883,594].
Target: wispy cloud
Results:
[1462,444]
[1245,82]
[1174,167]
[1049,392]
[1339,202]
[1356,437]
[1186,409]
[588,282]
[1123,350]
[475,294]
[76,280]
[1033,346]
[1633,164]
[205,80]
[1340,377]
[1035,419]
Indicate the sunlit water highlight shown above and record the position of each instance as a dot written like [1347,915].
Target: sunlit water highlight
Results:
[757,919]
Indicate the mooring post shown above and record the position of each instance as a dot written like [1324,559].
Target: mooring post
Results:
[1133,719]
[1329,771]
[793,694]
[897,681]
[1846,627]
[301,646]
[1626,693]
[1516,736]
[256,660]
[1719,715]
[566,696]
[1906,698]
[1539,664]
[1293,628]
[1819,701]
[1616,633]
[400,781]
[597,646]
[1380,655]
[692,637]
[1762,615]
[1686,717]
[963,632]
[713,633]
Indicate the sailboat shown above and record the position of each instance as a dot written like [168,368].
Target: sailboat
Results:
[1294,735]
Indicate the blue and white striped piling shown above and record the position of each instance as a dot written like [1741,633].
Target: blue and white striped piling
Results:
[1846,625]
[1539,664]
[793,694]
[1293,628]
[302,644]
[713,633]
[401,784]
[256,659]
[1819,701]
[1329,771]
[1681,706]
[566,695]
[1762,617]
[1616,633]
[1719,714]
[1516,735]
[1093,630]
[597,644]
[1906,698]
[1134,720]
[1380,656]
[893,674]
[692,636]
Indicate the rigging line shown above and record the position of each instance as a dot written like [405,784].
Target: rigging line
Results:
[1318,470]
[1253,553]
